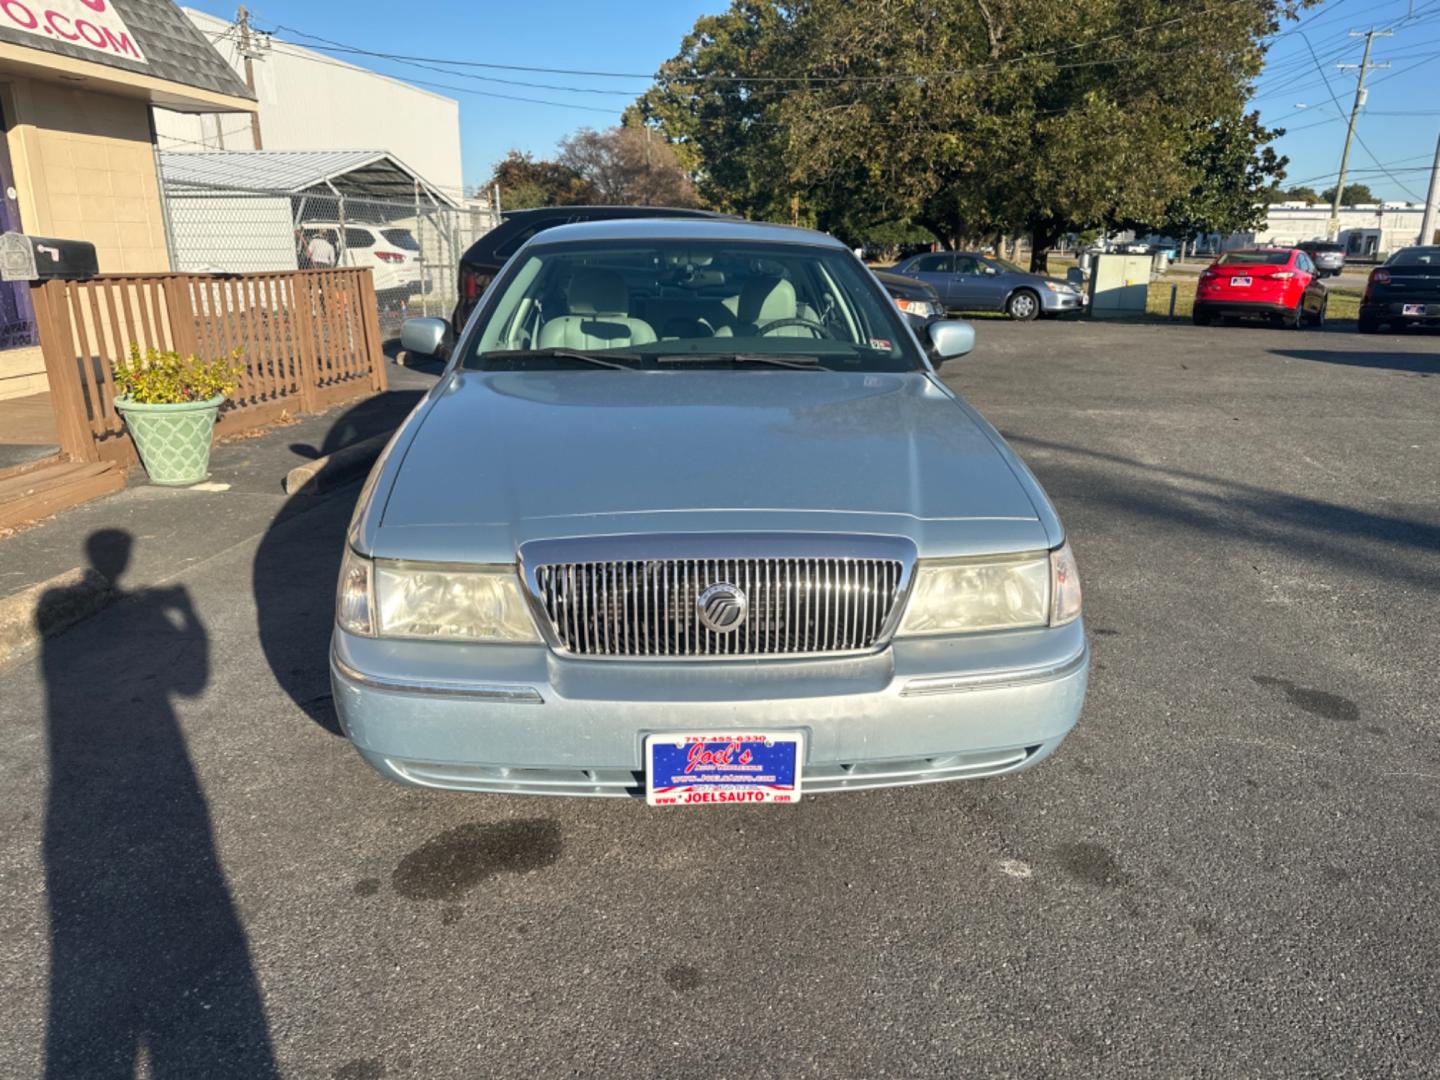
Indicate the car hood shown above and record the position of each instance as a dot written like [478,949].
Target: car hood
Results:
[504,457]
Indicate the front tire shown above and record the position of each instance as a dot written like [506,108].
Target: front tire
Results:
[1318,322]
[1023,305]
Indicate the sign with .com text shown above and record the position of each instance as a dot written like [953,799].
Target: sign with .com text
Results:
[88,24]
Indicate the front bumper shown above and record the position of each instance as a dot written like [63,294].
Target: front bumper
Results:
[522,720]
[1053,303]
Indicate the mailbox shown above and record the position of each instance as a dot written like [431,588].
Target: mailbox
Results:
[43,258]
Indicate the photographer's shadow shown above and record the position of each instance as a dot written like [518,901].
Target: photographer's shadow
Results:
[148,957]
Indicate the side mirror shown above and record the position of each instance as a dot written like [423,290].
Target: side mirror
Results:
[950,338]
[423,337]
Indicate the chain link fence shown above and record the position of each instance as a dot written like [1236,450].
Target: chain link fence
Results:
[411,248]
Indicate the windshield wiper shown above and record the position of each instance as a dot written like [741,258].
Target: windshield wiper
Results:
[564,354]
[798,363]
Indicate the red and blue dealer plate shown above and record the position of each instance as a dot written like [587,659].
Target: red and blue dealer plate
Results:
[706,769]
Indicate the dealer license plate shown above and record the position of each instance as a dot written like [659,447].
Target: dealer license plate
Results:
[1240,282]
[723,768]
[1414,309]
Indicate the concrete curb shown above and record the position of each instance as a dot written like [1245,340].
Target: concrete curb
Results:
[331,471]
[44,610]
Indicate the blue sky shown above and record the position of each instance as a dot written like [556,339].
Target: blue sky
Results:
[1398,128]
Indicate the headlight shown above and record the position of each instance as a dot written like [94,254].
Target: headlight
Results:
[964,596]
[418,600]
[914,307]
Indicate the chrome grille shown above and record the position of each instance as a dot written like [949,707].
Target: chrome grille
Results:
[647,607]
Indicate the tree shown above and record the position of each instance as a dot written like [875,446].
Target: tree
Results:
[525,182]
[970,117]
[1233,171]
[1295,194]
[1353,195]
[628,166]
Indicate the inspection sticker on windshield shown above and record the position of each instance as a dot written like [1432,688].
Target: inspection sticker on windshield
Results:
[700,769]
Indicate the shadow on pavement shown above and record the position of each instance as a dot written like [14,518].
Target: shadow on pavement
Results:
[1424,363]
[1340,535]
[298,562]
[148,960]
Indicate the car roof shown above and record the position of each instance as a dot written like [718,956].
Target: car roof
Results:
[716,228]
[598,212]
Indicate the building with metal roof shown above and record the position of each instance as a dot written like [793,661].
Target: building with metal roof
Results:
[368,174]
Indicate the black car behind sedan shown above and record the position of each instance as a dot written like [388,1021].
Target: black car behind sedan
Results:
[1403,292]
[918,300]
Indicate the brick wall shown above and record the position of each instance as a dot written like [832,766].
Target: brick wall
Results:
[85,170]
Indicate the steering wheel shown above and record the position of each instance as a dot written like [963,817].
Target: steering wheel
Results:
[821,330]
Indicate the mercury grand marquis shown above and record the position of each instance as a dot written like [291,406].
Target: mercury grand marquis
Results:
[690,516]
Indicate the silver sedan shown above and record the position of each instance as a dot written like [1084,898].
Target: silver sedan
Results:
[690,516]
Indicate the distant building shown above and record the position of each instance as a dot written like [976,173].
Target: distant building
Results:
[1366,231]
[310,101]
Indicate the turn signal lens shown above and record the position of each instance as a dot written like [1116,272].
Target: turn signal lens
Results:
[913,307]
[354,598]
[1065,596]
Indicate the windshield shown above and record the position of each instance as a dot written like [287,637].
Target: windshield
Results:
[696,303]
[1255,258]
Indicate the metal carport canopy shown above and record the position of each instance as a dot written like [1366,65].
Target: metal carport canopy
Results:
[372,174]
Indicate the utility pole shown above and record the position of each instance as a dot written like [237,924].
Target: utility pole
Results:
[242,20]
[1432,201]
[1362,69]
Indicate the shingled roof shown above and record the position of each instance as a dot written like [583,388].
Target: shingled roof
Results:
[174,49]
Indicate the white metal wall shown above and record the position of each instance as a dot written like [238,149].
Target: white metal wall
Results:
[309,101]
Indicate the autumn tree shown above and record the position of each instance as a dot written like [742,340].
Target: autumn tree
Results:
[628,166]
[525,182]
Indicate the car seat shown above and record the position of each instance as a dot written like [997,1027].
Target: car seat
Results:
[598,315]
[764,300]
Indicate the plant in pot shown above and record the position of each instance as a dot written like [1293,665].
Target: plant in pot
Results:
[169,403]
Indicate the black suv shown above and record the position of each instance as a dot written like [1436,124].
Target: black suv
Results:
[485,257]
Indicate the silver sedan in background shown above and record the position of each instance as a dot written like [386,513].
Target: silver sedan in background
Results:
[968,281]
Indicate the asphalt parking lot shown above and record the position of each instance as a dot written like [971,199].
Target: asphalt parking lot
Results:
[1228,869]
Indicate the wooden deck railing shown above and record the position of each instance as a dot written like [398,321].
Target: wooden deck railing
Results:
[307,339]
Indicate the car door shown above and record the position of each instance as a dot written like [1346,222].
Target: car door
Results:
[937,271]
[1312,300]
[993,284]
[969,284]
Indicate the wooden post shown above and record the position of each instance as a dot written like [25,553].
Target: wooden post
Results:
[370,321]
[302,334]
[58,348]
[180,310]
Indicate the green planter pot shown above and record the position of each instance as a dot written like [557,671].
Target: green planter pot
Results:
[173,440]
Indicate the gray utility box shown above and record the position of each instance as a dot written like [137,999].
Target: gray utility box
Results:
[1119,285]
[43,258]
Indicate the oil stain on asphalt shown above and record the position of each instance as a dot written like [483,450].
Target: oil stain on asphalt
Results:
[683,977]
[361,1069]
[1319,703]
[449,865]
[1092,864]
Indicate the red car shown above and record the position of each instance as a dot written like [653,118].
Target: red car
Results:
[1279,284]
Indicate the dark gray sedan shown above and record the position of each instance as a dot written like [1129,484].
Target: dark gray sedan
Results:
[967,281]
